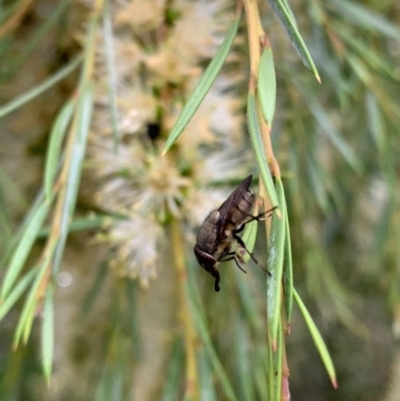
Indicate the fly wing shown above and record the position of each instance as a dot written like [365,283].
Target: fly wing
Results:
[234,198]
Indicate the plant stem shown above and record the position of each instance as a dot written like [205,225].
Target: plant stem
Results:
[258,39]
[254,33]
[192,385]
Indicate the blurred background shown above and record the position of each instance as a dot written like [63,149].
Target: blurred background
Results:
[124,327]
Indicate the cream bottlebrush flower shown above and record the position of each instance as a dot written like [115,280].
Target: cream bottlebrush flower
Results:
[136,107]
[141,15]
[136,242]
[134,181]
[194,37]
[217,122]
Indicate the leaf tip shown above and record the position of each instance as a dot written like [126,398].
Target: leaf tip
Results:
[334,383]
[318,78]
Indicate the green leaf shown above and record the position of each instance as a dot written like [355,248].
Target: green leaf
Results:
[365,17]
[38,90]
[247,301]
[278,361]
[206,340]
[260,374]
[276,243]
[206,376]
[287,268]
[24,247]
[370,56]
[328,128]
[376,122]
[27,314]
[174,373]
[266,85]
[241,350]
[91,222]
[17,291]
[318,184]
[39,199]
[318,340]
[57,134]
[286,18]
[249,238]
[48,333]
[203,86]
[84,107]
[258,146]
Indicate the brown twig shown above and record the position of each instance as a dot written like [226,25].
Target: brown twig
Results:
[15,19]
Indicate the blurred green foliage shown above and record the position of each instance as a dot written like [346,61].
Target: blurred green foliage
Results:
[338,149]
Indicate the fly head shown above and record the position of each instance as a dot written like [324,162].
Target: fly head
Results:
[209,263]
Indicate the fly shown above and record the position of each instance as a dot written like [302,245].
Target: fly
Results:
[220,230]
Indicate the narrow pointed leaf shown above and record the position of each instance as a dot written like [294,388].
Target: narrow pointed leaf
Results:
[206,376]
[85,106]
[48,333]
[249,238]
[247,300]
[38,90]
[54,149]
[27,313]
[266,85]
[91,222]
[241,351]
[278,361]
[36,204]
[260,375]
[329,129]
[24,247]
[208,346]
[318,340]
[287,270]
[376,121]
[203,86]
[286,18]
[17,291]
[174,370]
[275,266]
[258,146]
[365,17]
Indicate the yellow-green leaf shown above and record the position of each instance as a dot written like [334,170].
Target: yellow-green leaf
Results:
[203,86]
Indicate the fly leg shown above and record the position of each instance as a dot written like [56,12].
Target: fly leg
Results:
[243,245]
[232,256]
[260,216]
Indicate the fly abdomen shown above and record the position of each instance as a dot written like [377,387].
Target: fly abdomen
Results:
[240,213]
